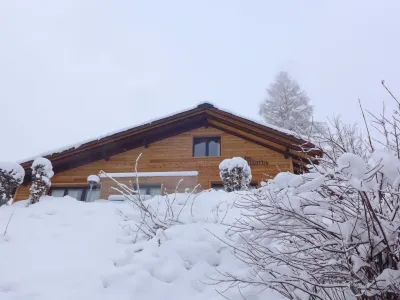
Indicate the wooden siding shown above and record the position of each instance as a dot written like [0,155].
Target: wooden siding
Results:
[175,154]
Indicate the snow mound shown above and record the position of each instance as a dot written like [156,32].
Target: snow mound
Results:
[61,248]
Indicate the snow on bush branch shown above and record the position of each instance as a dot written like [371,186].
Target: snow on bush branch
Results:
[11,176]
[235,174]
[42,172]
[326,234]
[332,233]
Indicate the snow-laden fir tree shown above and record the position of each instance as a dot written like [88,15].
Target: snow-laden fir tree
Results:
[11,176]
[42,172]
[235,174]
[287,105]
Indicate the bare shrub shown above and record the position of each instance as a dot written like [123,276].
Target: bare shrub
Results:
[332,233]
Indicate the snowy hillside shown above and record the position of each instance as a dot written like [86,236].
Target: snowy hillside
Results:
[61,248]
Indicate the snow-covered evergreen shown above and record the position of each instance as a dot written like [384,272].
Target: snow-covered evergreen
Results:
[287,105]
[42,172]
[235,174]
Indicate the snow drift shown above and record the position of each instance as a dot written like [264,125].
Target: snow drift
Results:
[61,248]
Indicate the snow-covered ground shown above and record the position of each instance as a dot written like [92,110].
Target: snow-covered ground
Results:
[61,248]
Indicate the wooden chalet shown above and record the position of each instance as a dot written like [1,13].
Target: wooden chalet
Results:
[189,145]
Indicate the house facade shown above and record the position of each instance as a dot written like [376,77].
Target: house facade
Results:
[186,147]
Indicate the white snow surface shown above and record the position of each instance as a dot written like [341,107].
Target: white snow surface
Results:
[151,174]
[352,164]
[61,248]
[47,166]
[16,170]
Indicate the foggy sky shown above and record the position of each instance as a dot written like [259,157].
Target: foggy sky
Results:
[75,69]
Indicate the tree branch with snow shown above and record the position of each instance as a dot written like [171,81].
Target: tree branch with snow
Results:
[11,176]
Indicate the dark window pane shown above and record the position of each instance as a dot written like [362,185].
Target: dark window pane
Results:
[209,146]
[199,147]
[154,190]
[217,186]
[57,192]
[213,147]
[75,193]
[151,190]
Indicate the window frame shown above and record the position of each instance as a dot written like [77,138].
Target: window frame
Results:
[219,184]
[149,186]
[207,140]
[85,190]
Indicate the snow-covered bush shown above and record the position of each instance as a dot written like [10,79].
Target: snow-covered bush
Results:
[42,172]
[332,233]
[235,174]
[11,176]
[327,234]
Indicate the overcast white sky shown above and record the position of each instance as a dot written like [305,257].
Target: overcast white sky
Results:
[75,69]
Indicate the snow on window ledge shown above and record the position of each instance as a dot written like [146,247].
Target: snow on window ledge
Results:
[151,174]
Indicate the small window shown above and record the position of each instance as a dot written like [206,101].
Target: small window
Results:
[253,186]
[206,146]
[218,186]
[75,193]
[79,193]
[150,190]
[57,192]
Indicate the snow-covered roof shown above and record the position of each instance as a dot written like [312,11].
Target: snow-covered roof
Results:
[270,126]
[150,122]
[110,133]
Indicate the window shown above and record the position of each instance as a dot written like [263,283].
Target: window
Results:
[150,190]
[218,186]
[206,146]
[253,186]
[79,193]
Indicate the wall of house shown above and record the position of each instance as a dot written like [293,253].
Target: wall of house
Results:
[175,154]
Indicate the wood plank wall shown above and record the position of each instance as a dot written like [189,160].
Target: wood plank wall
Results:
[175,154]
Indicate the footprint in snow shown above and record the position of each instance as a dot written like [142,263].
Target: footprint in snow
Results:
[35,216]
